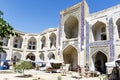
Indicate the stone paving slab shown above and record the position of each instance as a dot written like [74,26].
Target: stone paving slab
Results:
[40,74]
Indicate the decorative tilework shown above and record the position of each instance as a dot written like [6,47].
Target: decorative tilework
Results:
[59,32]
[82,25]
[101,43]
[87,41]
[58,51]
[59,35]
[111,32]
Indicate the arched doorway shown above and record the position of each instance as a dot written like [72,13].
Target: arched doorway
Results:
[42,56]
[51,55]
[31,56]
[3,55]
[16,56]
[99,60]
[119,56]
[70,56]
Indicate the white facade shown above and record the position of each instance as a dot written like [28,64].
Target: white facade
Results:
[32,45]
[80,38]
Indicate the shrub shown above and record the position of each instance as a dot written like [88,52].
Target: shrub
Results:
[59,78]
[23,66]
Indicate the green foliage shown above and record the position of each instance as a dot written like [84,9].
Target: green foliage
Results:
[34,79]
[1,49]
[23,65]
[59,78]
[5,29]
[1,13]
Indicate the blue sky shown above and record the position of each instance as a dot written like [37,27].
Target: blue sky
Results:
[35,16]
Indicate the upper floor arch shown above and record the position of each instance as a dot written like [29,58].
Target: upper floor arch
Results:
[71,26]
[17,42]
[4,41]
[99,31]
[43,42]
[118,26]
[32,42]
[52,40]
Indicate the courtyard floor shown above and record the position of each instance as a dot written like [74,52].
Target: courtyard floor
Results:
[38,75]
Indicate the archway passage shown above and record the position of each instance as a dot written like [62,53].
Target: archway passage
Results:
[51,55]
[3,55]
[16,56]
[119,56]
[31,56]
[70,56]
[42,57]
[99,60]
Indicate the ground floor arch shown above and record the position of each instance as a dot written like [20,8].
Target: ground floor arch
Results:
[51,55]
[31,56]
[3,55]
[119,56]
[70,56]
[16,56]
[41,56]
[99,60]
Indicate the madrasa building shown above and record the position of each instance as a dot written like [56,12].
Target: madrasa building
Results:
[81,38]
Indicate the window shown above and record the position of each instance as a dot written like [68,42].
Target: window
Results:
[15,46]
[103,33]
[17,43]
[4,41]
[103,37]
[32,45]
[119,30]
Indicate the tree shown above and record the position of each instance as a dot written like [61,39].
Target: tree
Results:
[5,30]
[23,65]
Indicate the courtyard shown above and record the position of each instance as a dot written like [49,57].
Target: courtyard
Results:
[39,75]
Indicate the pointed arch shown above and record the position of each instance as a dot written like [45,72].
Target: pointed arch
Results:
[119,56]
[51,55]
[52,40]
[4,41]
[32,43]
[99,59]
[99,31]
[3,55]
[30,56]
[17,42]
[70,56]
[42,57]
[118,26]
[16,56]
[43,41]
[71,26]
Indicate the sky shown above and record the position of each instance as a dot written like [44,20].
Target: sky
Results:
[35,16]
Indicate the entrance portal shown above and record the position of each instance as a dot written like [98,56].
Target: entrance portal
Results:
[99,60]
[31,56]
[70,56]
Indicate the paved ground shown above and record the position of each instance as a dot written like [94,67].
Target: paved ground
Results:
[10,75]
